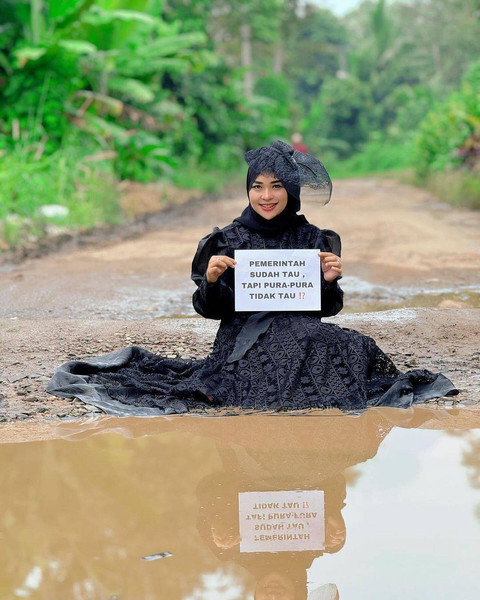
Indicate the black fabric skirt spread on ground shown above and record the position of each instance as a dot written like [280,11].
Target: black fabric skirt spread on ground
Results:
[299,363]
[266,361]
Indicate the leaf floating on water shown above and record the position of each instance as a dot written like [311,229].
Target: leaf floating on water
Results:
[157,556]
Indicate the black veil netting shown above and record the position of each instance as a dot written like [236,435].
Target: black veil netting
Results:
[301,173]
[315,182]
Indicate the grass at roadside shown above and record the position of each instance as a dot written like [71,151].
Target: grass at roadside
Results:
[460,187]
[209,180]
[85,191]
[76,190]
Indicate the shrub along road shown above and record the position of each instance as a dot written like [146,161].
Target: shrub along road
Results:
[402,250]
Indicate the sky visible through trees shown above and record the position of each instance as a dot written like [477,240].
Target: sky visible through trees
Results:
[338,7]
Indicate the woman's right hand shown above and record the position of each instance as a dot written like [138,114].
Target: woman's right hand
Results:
[218,265]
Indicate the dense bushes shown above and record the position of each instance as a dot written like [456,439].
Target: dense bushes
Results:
[449,136]
[448,144]
[92,92]
[339,120]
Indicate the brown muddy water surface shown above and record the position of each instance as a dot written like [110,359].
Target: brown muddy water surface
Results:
[382,505]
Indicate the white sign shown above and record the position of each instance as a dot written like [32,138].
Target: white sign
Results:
[282,521]
[277,280]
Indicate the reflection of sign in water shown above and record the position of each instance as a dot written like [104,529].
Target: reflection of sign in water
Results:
[281,521]
[277,280]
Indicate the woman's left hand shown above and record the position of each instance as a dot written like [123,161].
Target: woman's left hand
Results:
[331,265]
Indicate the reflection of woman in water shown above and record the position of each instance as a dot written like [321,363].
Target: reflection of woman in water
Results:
[304,454]
[309,454]
[263,360]
[277,575]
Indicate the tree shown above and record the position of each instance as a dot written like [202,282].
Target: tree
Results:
[339,120]
[314,42]
[243,29]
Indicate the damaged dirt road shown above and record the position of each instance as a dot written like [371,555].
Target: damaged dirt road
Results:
[412,281]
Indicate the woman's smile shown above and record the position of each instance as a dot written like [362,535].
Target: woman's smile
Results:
[268,206]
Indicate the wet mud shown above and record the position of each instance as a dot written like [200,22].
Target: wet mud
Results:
[412,281]
[413,338]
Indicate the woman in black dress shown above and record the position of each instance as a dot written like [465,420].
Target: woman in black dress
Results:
[262,361]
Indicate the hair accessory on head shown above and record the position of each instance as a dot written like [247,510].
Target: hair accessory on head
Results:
[300,173]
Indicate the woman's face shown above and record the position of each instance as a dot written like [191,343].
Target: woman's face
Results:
[275,586]
[267,196]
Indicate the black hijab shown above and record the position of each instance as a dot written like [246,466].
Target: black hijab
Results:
[277,159]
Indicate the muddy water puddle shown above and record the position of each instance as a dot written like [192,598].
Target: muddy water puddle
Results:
[363,296]
[360,296]
[380,505]
[172,297]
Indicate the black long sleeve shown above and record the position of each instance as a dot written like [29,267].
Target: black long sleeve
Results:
[332,298]
[332,294]
[212,300]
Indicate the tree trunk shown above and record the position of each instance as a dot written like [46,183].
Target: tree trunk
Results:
[246,35]
[36,7]
[278,57]
[437,62]
[342,59]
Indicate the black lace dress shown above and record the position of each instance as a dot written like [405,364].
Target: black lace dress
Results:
[265,361]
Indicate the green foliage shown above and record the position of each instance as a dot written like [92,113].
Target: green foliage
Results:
[103,85]
[448,145]
[368,118]
[411,105]
[142,86]
[339,119]
[277,88]
[449,136]
[212,108]
[270,107]
[314,43]
[379,155]
[128,80]
[263,17]
[212,180]
[264,124]
[66,178]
